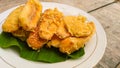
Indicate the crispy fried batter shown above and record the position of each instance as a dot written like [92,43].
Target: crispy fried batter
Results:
[71,44]
[62,31]
[34,41]
[77,26]
[55,42]
[12,22]
[49,23]
[30,15]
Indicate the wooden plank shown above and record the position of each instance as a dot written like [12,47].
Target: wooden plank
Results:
[118,66]
[109,17]
[86,5]
[6,4]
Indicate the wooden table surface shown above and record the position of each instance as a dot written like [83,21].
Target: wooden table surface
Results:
[107,12]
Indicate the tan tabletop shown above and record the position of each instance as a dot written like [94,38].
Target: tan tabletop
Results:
[107,12]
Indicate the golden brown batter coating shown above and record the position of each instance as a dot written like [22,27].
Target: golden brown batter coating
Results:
[77,26]
[12,22]
[34,41]
[50,21]
[30,15]
[71,44]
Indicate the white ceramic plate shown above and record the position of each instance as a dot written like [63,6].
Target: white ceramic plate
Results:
[94,49]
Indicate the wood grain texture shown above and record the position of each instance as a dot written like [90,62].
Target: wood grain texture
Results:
[6,4]
[109,17]
[86,5]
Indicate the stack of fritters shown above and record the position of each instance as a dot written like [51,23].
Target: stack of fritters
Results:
[67,33]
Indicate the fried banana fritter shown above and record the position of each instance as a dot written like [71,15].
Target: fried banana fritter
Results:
[76,26]
[71,44]
[12,22]
[34,41]
[50,21]
[30,15]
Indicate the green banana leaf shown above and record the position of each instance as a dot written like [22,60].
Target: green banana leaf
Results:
[49,55]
